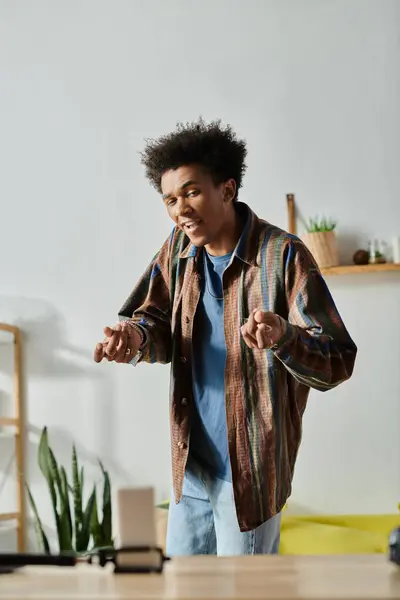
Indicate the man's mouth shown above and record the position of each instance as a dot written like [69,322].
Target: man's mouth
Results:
[190,225]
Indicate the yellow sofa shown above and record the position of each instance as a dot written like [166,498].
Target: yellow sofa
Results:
[339,534]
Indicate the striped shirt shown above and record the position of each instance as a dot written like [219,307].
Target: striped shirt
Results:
[266,391]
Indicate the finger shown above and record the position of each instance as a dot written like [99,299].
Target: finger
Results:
[263,339]
[98,353]
[261,317]
[268,318]
[126,328]
[249,340]
[122,339]
[251,323]
[260,339]
[114,341]
[112,344]
[108,331]
[128,356]
[249,331]
[120,355]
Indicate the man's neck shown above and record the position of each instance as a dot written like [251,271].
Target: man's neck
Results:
[228,236]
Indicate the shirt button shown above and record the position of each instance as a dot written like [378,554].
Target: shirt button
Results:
[187,320]
[182,445]
[184,401]
[183,359]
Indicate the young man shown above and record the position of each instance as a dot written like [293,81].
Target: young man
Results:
[240,310]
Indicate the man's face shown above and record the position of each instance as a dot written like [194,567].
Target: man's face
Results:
[198,206]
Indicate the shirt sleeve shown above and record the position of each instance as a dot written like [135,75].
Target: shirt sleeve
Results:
[316,347]
[148,306]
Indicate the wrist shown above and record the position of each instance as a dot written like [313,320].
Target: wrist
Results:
[139,341]
[280,332]
[140,336]
[288,334]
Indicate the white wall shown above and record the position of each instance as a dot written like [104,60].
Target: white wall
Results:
[314,86]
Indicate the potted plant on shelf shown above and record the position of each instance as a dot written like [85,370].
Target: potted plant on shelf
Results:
[79,529]
[321,240]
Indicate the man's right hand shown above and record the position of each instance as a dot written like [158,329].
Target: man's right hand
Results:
[120,344]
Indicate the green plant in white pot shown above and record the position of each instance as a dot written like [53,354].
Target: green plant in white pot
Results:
[321,240]
[78,527]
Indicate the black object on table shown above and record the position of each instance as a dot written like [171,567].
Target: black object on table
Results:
[9,562]
[394,546]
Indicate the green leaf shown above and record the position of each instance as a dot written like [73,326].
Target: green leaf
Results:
[95,525]
[65,495]
[77,495]
[84,535]
[106,525]
[47,468]
[43,454]
[82,480]
[41,536]
[53,471]
[64,517]
[64,533]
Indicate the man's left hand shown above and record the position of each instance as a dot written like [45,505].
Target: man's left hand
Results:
[263,329]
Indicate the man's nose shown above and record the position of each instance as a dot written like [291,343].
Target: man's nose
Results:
[183,207]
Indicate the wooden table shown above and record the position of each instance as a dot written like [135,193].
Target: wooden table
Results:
[263,577]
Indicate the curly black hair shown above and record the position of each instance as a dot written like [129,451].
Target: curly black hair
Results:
[214,147]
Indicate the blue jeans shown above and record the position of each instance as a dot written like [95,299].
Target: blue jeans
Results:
[205,521]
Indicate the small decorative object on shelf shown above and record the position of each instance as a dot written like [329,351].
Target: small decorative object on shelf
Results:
[321,240]
[371,252]
[382,250]
[361,257]
[396,249]
[376,253]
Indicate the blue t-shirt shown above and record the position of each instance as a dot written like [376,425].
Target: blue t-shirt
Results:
[209,440]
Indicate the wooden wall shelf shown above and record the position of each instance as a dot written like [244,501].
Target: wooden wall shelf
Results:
[357,269]
[341,269]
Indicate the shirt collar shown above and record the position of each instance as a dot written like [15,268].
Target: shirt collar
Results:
[247,247]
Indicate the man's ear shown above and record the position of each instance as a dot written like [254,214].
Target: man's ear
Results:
[229,190]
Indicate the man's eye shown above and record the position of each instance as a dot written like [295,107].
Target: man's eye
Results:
[171,201]
[192,193]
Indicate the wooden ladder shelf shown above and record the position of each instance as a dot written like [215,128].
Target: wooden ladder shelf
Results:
[16,423]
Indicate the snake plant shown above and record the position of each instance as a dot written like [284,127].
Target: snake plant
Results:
[79,528]
[317,225]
